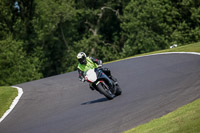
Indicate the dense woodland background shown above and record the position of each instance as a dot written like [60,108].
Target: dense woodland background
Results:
[41,38]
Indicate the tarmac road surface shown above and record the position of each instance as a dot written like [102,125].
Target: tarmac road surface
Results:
[152,87]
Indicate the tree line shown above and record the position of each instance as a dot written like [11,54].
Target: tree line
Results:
[41,38]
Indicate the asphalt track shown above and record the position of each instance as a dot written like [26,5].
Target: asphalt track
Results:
[152,86]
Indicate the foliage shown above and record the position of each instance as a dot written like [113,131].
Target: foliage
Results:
[50,33]
[15,66]
[155,24]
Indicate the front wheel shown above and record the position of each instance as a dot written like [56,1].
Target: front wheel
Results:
[104,89]
[118,90]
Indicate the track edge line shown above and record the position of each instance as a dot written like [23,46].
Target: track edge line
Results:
[14,103]
[194,53]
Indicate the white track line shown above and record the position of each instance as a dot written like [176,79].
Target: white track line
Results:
[20,91]
[15,101]
[194,53]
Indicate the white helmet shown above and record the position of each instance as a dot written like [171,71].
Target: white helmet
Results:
[81,58]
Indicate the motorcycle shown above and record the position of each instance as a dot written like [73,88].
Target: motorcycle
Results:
[102,83]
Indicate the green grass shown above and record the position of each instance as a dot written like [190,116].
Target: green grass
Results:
[195,47]
[183,120]
[7,95]
[186,119]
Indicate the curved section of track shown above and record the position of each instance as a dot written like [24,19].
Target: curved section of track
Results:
[152,86]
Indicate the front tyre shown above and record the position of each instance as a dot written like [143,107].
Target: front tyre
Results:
[104,89]
[118,90]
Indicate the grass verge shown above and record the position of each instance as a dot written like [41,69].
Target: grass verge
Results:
[195,47]
[185,119]
[7,95]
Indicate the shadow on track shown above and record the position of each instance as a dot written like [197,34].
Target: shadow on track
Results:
[96,101]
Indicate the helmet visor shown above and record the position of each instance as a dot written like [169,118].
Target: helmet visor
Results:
[82,60]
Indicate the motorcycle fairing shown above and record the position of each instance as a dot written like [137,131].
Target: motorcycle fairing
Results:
[103,76]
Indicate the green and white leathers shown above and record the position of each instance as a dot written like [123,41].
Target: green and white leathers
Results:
[89,65]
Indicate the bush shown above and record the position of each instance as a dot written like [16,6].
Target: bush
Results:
[15,66]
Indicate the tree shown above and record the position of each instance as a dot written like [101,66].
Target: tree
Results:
[146,26]
[186,21]
[53,24]
[16,67]
[102,28]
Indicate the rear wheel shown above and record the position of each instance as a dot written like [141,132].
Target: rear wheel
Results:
[104,89]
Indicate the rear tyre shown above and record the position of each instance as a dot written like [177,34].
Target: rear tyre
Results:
[104,89]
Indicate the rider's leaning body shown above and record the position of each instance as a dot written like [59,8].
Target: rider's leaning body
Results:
[87,63]
[91,64]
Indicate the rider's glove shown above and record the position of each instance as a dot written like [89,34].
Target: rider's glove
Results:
[100,64]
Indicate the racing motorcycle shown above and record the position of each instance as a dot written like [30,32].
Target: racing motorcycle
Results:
[102,83]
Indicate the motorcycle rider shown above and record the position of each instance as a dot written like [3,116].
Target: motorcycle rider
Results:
[87,63]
